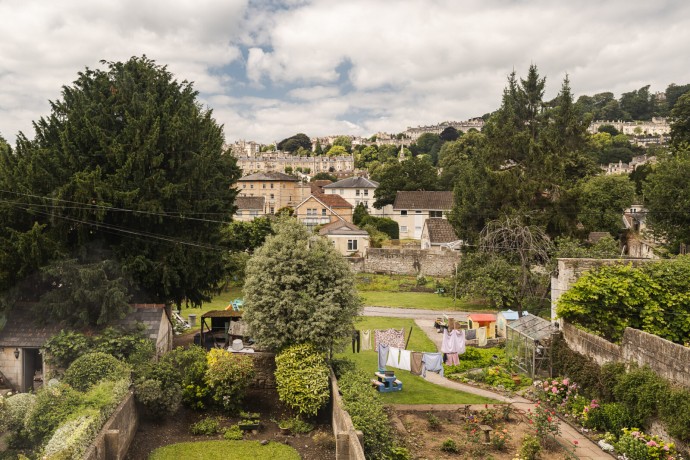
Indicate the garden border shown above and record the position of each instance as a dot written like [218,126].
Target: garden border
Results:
[348,440]
[114,439]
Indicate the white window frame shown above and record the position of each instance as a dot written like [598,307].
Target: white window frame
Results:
[352,245]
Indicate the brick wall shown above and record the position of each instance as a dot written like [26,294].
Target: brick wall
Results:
[405,261]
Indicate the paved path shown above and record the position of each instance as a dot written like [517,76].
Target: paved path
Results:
[586,449]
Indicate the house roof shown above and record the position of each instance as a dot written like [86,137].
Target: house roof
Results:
[150,315]
[441,201]
[340,227]
[440,231]
[22,330]
[317,186]
[334,201]
[354,182]
[482,317]
[250,202]
[269,176]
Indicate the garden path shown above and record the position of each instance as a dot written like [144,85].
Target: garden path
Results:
[586,449]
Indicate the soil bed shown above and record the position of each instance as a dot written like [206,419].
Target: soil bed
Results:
[171,430]
[424,439]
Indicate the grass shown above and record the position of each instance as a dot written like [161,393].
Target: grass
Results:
[218,302]
[225,450]
[416,390]
[422,300]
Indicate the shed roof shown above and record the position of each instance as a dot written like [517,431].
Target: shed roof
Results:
[22,329]
[534,327]
[438,201]
[150,315]
[510,315]
[481,317]
[222,314]
[440,231]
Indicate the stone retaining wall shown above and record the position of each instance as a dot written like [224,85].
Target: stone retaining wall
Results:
[348,441]
[112,442]
[405,261]
[264,367]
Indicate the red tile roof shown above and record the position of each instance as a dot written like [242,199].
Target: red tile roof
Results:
[481,317]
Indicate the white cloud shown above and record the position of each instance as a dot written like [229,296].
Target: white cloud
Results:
[328,66]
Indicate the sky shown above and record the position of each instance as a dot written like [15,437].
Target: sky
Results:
[270,69]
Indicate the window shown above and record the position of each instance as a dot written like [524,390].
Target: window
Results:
[251,185]
[403,229]
[253,213]
[436,214]
[403,213]
[418,229]
[323,211]
[342,191]
[271,184]
[351,245]
[357,192]
[418,212]
[244,185]
[272,196]
[263,185]
[272,210]
[366,192]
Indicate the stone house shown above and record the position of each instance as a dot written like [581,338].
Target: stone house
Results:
[22,363]
[412,209]
[277,189]
[437,233]
[347,238]
[354,190]
[318,209]
[249,208]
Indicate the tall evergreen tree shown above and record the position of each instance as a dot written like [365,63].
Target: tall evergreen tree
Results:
[129,162]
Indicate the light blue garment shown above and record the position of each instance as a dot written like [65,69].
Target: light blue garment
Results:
[383,356]
[432,362]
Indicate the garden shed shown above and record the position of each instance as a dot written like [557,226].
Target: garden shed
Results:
[487,320]
[502,320]
[219,327]
[528,344]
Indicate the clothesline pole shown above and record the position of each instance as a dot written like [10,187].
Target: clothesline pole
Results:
[408,338]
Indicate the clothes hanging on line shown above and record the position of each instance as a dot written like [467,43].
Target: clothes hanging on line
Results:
[416,362]
[481,337]
[382,350]
[404,361]
[446,342]
[432,362]
[366,340]
[355,341]
[452,359]
[390,337]
[393,357]
[458,337]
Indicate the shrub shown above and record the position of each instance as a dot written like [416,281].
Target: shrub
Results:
[64,347]
[302,378]
[123,345]
[228,376]
[234,433]
[636,445]
[72,438]
[676,414]
[16,410]
[642,391]
[190,365]
[400,453]
[206,426]
[342,365]
[296,425]
[611,417]
[157,398]
[434,422]
[367,412]
[450,446]
[92,368]
[610,375]
[544,422]
[500,438]
[530,448]
[53,406]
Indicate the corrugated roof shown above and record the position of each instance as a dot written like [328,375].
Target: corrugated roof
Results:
[440,231]
[250,202]
[438,201]
[340,227]
[269,176]
[354,182]
[533,327]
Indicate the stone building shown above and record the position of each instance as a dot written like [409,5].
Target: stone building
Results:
[354,190]
[411,209]
[249,208]
[277,189]
[437,233]
[283,161]
[347,238]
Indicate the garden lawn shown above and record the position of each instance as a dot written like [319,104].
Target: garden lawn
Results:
[416,390]
[422,300]
[218,302]
[225,450]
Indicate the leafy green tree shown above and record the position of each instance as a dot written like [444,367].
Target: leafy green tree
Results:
[247,236]
[337,151]
[639,177]
[293,143]
[680,121]
[299,289]
[376,236]
[454,156]
[424,143]
[674,92]
[366,156]
[638,104]
[359,214]
[344,142]
[318,150]
[324,176]
[383,224]
[129,162]
[667,198]
[567,247]
[608,129]
[490,277]
[411,174]
[449,134]
[603,200]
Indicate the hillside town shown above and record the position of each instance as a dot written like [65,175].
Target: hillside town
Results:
[192,267]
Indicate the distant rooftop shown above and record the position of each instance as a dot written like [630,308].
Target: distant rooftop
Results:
[440,231]
[269,176]
[340,227]
[249,202]
[441,201]
[353,182]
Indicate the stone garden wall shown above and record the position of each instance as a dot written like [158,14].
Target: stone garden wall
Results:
[112,443]
[669,360]
[265,367]
[407,261]
[348,441]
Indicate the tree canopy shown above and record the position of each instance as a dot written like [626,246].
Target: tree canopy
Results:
[415,173]
[125,180]
[602,202]
[299,289]
[292,144]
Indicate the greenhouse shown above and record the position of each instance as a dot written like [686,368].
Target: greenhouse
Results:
[528,344]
